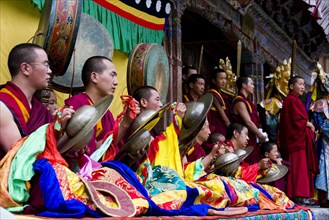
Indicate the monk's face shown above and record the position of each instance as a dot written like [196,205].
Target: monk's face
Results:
[198,86]
[249,87]
[241,138]
[153,102]
[273,154]
[204,133]
[221,80]
[52,103]
[40,72]
[107,80]
[298,87]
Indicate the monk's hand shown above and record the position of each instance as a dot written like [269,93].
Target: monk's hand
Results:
[75,155]
[136,110]
[264,164]
[262,138]
[311,126]
[132,111]
[66,116]
[221,150]
[228,149]
[180,109]
[278,160]
[317,135]
[140,153]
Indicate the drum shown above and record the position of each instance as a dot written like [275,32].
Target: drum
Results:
[148,65]
[93,40]
[57,32]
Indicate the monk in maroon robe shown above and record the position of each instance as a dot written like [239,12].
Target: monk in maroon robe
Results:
[245,112]
[20,112]
[196,152]
[218,115]
[196,84]
[27,119]
[297,143]
[188,98]
[105,125]
[99,77]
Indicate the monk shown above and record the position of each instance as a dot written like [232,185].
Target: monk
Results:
[48,98]
[164,155]
[196,84]
[244,180]
[245,113]
[218,115]
[297,143]
[187,71]
[21,113]
[99,77]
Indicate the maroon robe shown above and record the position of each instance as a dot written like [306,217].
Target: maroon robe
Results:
[100,130]
[27,119]
[255,155]
[215,121]
[188,98]
[297,145]
[195,153]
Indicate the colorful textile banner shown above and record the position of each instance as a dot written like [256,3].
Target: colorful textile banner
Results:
[151,14]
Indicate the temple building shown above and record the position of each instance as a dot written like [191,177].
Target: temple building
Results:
[202,32]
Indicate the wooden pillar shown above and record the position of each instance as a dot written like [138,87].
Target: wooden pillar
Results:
[253,66]
[173,45]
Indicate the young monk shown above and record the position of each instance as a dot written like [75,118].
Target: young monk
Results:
[48,98]
[270,150]
[297,143]
[196,84]
[218,115]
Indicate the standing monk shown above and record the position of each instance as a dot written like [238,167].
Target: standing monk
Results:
[218,115]
[245,113]
[99,77]
[196,83]
[297,143]
[187,71]
[20,112]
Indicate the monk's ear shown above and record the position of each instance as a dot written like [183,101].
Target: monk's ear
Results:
[143,103]
[291,86]
[94,77]
[191,85]
[266,154]
[235,133]
[25,68]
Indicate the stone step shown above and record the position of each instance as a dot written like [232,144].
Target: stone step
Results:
[320,213]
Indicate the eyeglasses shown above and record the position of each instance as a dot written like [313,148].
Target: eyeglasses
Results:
[44,64]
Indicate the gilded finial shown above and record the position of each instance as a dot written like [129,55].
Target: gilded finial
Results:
[281,77]
[230,87]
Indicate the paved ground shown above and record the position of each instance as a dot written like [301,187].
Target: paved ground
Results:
[320,213]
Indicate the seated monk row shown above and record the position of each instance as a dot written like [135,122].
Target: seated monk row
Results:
[36,178]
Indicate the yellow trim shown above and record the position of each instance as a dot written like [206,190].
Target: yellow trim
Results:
[220,96]
[136,12]
[185,96]
[190,151]
[250,109]
[25,112]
